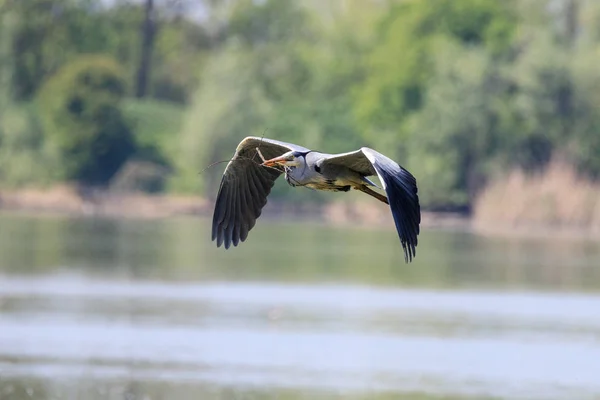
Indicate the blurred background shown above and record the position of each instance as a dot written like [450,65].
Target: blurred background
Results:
[112,110]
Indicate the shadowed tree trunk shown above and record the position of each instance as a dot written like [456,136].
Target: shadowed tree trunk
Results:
[148,34]
[6,62]
[572,22]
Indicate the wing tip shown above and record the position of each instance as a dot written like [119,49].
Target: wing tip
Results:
[401,187]
[410,251]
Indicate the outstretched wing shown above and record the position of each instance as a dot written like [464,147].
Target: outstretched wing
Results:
[244,188]
[400,187]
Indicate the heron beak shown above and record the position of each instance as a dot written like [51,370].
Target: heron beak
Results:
[273,162]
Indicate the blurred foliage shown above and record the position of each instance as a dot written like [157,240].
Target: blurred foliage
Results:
[50,33]
[23,158]
[401,63]
[134,389]
[265,83]
[79,109]
[156,125]
[457,91]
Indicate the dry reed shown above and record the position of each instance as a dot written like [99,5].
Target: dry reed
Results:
[556,198]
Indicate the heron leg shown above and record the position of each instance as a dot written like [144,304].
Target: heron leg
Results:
[373,193]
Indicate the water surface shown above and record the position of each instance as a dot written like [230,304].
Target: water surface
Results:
[125,309]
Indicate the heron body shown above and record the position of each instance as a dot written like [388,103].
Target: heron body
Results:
[258,162]
[312,174]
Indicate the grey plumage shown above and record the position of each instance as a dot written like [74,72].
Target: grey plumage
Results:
[247,181]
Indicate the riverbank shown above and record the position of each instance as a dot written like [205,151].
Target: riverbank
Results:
[514,206]
[68,200]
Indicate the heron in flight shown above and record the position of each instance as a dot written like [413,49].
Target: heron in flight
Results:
[258,162]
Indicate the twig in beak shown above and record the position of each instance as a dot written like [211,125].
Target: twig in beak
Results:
[260,154]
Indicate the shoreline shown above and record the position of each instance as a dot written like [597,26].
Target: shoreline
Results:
[66,200]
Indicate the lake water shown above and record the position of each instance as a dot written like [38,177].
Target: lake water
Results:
[126,309]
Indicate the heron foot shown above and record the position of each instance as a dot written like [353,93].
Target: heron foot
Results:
[373,193]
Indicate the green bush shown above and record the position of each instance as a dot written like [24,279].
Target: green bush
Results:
[80,112]
[156,126]
[23,159]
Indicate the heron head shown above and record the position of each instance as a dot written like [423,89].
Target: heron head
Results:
[289,159]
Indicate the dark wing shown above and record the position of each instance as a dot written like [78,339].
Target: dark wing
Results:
[244,188]
[400,187]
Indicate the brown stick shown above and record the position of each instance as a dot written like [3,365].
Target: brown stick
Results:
[260,154]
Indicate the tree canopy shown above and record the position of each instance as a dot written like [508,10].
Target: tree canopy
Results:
[458,92]
[79,109]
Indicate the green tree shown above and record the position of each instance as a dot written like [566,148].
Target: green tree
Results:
[555,105]
[402,61]
[83,123]
[258,81]
[456,130]
[49,33]
[483,115]
[292,84]
[6,67]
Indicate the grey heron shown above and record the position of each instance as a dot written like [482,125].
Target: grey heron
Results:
[258,162]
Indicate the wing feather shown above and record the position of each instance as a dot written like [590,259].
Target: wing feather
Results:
[231,220]
[246,216]
[402,192]
[224,200]
[245,222]
[220,209]
[399,185]
[246,184]
[355,160]
[244,188]
[258,200]
[235,220]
